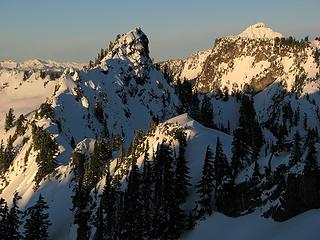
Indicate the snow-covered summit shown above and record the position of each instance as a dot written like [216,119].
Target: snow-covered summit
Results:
[131,46]
[259,30]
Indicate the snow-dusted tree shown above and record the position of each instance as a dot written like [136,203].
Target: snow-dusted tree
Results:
[45,111]
[95,166]
[47,150]
[37,223]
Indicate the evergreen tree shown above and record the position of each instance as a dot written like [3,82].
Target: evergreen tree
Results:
[106,214]
[296,152]
[82,217]
[100,156]
[305,121]
[311,159]
[182,181]
[221,165]
[4,212]
[45,111]
[163,221]
[122,154]
[296,116]
[14,219]
[195,109]
[249,127]
[9,153]
[206,112]
[98,111]
[133,206]
[136,146]
[185,94]
[206,186]
[81,197]
[2,157]
[37,223]
[256,172]
[20,130]
[240,153]
[9,120]
[48,149]
[182,172]
[224,180]
[147,194]
[99,224]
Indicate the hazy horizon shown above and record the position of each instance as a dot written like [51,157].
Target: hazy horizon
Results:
[76,30]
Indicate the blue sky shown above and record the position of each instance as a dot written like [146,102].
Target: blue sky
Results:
[76,29]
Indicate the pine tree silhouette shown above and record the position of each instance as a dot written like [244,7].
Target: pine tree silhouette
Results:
[37,223]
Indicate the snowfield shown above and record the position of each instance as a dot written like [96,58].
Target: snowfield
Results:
[252,227]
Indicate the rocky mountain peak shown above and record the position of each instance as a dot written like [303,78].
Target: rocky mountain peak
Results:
[132,46]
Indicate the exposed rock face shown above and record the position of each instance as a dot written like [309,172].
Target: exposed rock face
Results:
[133,49]
[237,61]
[173,67]
[252,60]
[186,69]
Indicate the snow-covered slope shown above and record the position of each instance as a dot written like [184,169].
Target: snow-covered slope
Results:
[23,96]
[251,227]
[128,92]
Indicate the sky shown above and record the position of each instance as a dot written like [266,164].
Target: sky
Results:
[76,30]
